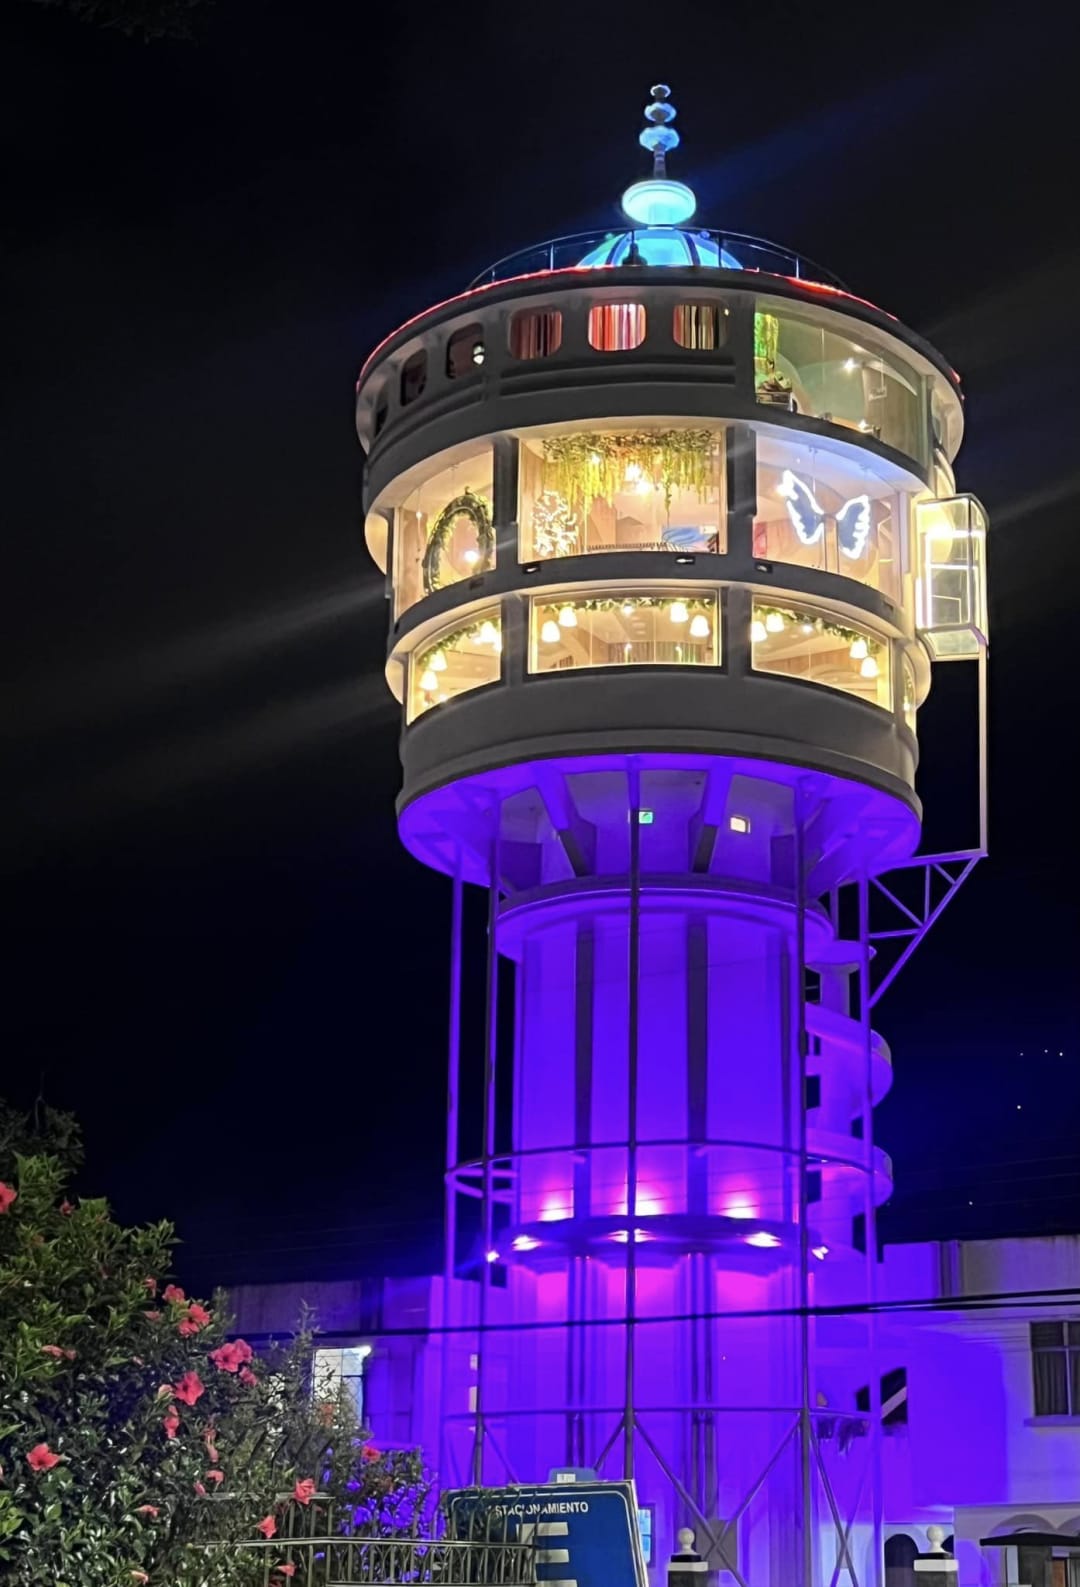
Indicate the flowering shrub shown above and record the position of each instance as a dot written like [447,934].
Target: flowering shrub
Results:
[138,1443]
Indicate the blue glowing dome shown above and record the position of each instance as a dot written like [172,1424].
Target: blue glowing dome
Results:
[662,245]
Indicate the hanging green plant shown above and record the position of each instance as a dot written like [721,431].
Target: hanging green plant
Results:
[766,342]
[595,464]
[820,625]
[478,513]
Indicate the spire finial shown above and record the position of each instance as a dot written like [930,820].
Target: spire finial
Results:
[658,201]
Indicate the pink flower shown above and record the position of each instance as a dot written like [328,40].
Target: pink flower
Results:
[211,1447]
[199,1489]
[151,1285]
[267,1526]
[139,1576]
[213,1475]
[66,1208]
[247,1377]
[173,1292]
[148,1509]
[41,1458]
[54,1350]
[230,1357]
[185,1328]
[152,1316]
[369,1452]
[198,1314]
[304,1491]
[171,1421]
[286,1570]
[189,1388]
[7,1196]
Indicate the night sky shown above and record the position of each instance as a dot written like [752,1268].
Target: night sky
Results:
[216,954]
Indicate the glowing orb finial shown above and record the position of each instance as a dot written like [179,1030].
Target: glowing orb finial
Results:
[658,201]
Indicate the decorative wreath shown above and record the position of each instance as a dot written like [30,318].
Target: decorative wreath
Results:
[476,510]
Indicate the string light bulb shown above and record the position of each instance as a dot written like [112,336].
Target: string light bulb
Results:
[628,608]
[758,633]
[699,627]
[567,617]
[678,612]
[869,667]
[774,623]
[550,632]
[428,681]
[859,649]
[438,662]
[488,633]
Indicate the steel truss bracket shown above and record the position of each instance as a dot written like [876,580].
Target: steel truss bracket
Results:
[906,902]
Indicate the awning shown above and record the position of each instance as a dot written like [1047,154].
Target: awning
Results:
[1031,1540]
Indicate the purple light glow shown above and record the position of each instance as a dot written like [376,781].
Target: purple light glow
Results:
[707,1173]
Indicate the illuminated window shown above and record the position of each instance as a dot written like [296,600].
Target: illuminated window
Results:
[413,377]
[800,367]
[535,333]
[462,657]
[444,528]
[616,327]
[624,630]
[333,1370]
[465,351]
[613,490]
[909,703]
[702,326]
[808,644]
[951,592]
[830,507]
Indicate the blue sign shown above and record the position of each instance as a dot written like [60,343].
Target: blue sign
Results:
[586,1534]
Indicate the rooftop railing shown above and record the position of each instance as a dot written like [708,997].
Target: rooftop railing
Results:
[752,253]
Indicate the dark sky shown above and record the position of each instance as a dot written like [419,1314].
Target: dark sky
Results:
[216,953]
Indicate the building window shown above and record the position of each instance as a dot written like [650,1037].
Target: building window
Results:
[612,490]
[443,527]
[535,333]
[616,327]
[465,351]
[833,508]
[1055,1368]
[701,326]
[413,377]
[625,629]
[801,367]
[462,657]
[382,409]
[909,700]
[333,1370]
[808,644]
[951,592]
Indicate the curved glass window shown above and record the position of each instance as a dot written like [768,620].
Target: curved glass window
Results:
[444,529]
[461,658]
[622,490]
[800,367]
[413,377]
[909,702]
[828,508]
[535,333]
[801,643]
[616,327]
[465,351]
[702,326]
[624,629]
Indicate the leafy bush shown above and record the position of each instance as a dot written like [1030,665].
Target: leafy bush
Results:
[132,1428]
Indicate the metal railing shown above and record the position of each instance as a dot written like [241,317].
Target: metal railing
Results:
[752,253]
[317,1541]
